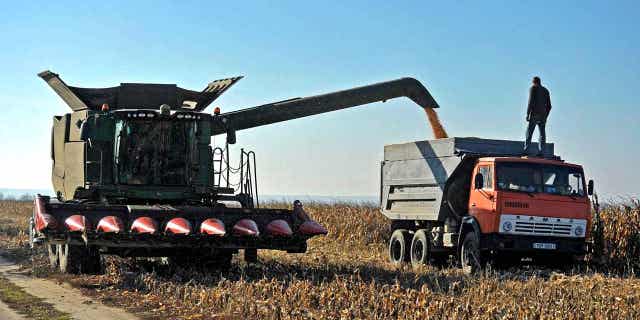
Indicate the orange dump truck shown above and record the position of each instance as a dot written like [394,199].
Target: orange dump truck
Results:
[481,200]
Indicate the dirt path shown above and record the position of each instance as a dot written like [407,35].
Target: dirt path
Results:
[62,297]
[7,313]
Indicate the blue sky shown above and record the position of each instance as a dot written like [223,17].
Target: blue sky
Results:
[476,58]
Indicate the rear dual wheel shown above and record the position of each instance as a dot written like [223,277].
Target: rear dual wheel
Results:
[422,253]
[420,248]
[417,249]
[399,245]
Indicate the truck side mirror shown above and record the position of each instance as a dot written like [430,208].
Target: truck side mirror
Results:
[231,136]
[479,181]
[590,188]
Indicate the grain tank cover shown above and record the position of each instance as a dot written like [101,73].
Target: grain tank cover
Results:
[459,146]
[137,95]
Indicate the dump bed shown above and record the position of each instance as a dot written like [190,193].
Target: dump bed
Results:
[429,180]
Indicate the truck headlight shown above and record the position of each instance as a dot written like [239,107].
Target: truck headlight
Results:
[507,226]
[578,231]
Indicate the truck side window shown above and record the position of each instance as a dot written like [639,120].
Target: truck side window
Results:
[487,174]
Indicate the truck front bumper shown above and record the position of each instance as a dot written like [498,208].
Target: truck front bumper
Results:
[533,244]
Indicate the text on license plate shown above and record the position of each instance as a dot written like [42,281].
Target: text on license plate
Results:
[545,246]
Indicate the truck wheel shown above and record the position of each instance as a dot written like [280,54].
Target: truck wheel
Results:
[251,255]
[52,252]
[471,259]
[399,247]
[420,252]
[75,259]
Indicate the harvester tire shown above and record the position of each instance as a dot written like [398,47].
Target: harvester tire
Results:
[420,252]
[52,252]
[399,245]
[471,259]
[78,259]
[251,255]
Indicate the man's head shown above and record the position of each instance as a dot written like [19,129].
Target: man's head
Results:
[536,80]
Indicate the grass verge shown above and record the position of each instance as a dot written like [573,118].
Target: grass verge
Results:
[32,307]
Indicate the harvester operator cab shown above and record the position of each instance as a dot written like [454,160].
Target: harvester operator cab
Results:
[154,149]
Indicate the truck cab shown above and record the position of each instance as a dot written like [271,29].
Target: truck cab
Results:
[530,205]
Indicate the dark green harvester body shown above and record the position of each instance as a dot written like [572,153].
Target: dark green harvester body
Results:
[135,173]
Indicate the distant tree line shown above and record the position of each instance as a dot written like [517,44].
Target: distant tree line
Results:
[24,197]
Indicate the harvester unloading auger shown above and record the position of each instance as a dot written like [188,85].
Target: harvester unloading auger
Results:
[135,174]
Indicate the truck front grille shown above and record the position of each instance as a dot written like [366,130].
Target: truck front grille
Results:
[542,226]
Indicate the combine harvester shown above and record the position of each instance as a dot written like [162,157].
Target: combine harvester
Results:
[481,200]
[135,174]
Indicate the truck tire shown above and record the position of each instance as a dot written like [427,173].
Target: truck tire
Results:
[78,259]
[471,259]
[52,252]
[420,253]
[399,246]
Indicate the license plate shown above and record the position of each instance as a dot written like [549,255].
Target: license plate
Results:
[544,246]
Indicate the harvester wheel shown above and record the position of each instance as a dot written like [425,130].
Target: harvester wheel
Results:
[52,251]
[420,252]
[76,259]
[399,246]
[251,255]
[471,259]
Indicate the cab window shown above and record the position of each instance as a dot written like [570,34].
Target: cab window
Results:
[487,174]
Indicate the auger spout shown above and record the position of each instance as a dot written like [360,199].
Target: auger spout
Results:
[308,106]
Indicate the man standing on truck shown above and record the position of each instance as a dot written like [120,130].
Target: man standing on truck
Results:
[537,113]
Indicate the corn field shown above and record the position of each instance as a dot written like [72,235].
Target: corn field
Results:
[345,275]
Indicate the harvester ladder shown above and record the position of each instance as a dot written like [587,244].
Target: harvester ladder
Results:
[90,160]
[248,177]
[219,174]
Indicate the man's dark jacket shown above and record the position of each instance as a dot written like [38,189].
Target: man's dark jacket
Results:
[539,103]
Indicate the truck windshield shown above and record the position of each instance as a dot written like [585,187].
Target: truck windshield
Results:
[154,152]
[540,178]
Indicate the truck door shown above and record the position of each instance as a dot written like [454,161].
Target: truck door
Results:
[482,198]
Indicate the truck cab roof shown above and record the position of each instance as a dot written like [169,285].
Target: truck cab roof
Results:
[528,159]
